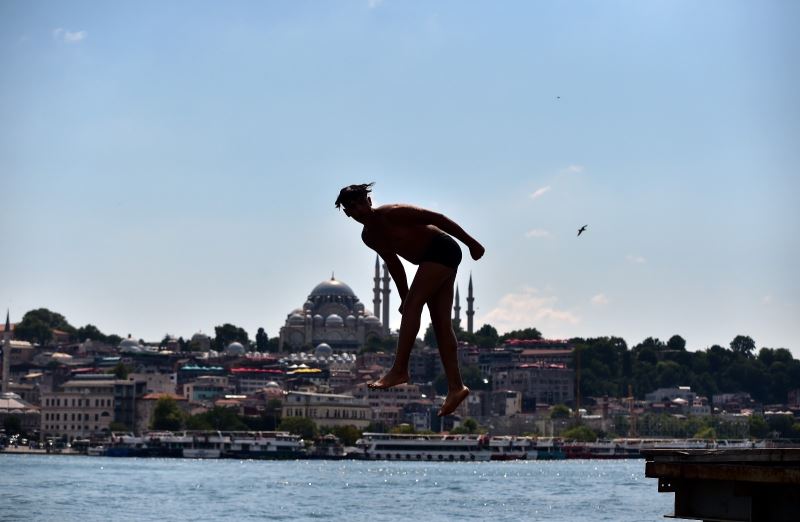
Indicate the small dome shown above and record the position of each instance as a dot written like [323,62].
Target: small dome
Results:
[334,320]
[323,350]
[272,384]
[129,343]
[296,319]
[58,356]
[350,321]
[235,349]
[371,319]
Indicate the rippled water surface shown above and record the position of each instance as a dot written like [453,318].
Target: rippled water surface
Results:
[98,488]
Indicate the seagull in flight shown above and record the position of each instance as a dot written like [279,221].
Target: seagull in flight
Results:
[582,229]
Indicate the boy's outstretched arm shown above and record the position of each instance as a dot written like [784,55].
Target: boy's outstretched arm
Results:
[420,216]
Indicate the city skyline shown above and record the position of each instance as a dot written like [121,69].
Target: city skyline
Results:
[167,170]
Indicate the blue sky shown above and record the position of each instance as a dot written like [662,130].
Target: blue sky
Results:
[167,167]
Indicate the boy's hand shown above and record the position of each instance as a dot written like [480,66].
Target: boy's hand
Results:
[476,250]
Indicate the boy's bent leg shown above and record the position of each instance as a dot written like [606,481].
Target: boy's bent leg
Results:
[439,305]
[429,278]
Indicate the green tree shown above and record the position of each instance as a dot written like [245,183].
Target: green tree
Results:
[33,330]
[486,336]
[113,339]
[758,427]
[676,343]
[262,341]
[228,333]
[121,371]
[743,345]
[560,411]
[580,433]
[348,435]
[218,418]
[525,334]
[167,415]
[299,426]
[469,425]
[13,425]
[706,433]
[90,332]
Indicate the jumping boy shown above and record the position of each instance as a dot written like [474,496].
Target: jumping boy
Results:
[422,237]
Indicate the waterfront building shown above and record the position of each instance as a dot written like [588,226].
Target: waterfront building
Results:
[332,314]
[78,410]
[388,405]
[206,388]
[327,410]
[538,383]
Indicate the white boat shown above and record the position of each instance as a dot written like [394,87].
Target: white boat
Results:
[424,447]
[507,447]
[265,445]
[96,451]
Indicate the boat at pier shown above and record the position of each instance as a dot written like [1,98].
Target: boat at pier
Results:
[209,444]
[424,447]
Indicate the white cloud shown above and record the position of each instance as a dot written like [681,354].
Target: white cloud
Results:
[528,309]
[636,259]
[600,300]
[537,232]
[374,3]
[572,169]
[67,36]
[540,191]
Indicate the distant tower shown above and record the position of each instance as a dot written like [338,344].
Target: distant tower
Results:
[6,354]
[470,309]
[457,310]
[376,291]
[386,290]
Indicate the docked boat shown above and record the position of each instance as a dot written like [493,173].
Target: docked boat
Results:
[506,447]
[424,447]
[209,445]
[548,448]
[265,445]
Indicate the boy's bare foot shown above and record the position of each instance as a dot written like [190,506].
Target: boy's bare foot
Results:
[392,378]
[452,401]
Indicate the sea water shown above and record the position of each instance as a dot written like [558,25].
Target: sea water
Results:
[64,488]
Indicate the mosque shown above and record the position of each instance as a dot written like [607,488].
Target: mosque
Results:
[333,315]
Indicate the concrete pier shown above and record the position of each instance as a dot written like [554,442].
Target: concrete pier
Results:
[734,485]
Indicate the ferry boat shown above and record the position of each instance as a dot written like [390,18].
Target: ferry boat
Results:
[204,445]
[548,448]
[424,447]
[209,444]
[506,447]
[264,445]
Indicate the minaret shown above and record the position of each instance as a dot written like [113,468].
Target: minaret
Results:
[457,310]
[376,291]
[470,309]
[386,291]
[6,354]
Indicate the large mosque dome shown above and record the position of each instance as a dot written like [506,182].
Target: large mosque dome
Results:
[332,287]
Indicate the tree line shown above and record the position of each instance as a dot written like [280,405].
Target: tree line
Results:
[609,368]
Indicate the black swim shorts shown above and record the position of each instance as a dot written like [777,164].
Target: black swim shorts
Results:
[444,250]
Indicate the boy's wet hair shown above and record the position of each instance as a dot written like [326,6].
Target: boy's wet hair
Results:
[353,194]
